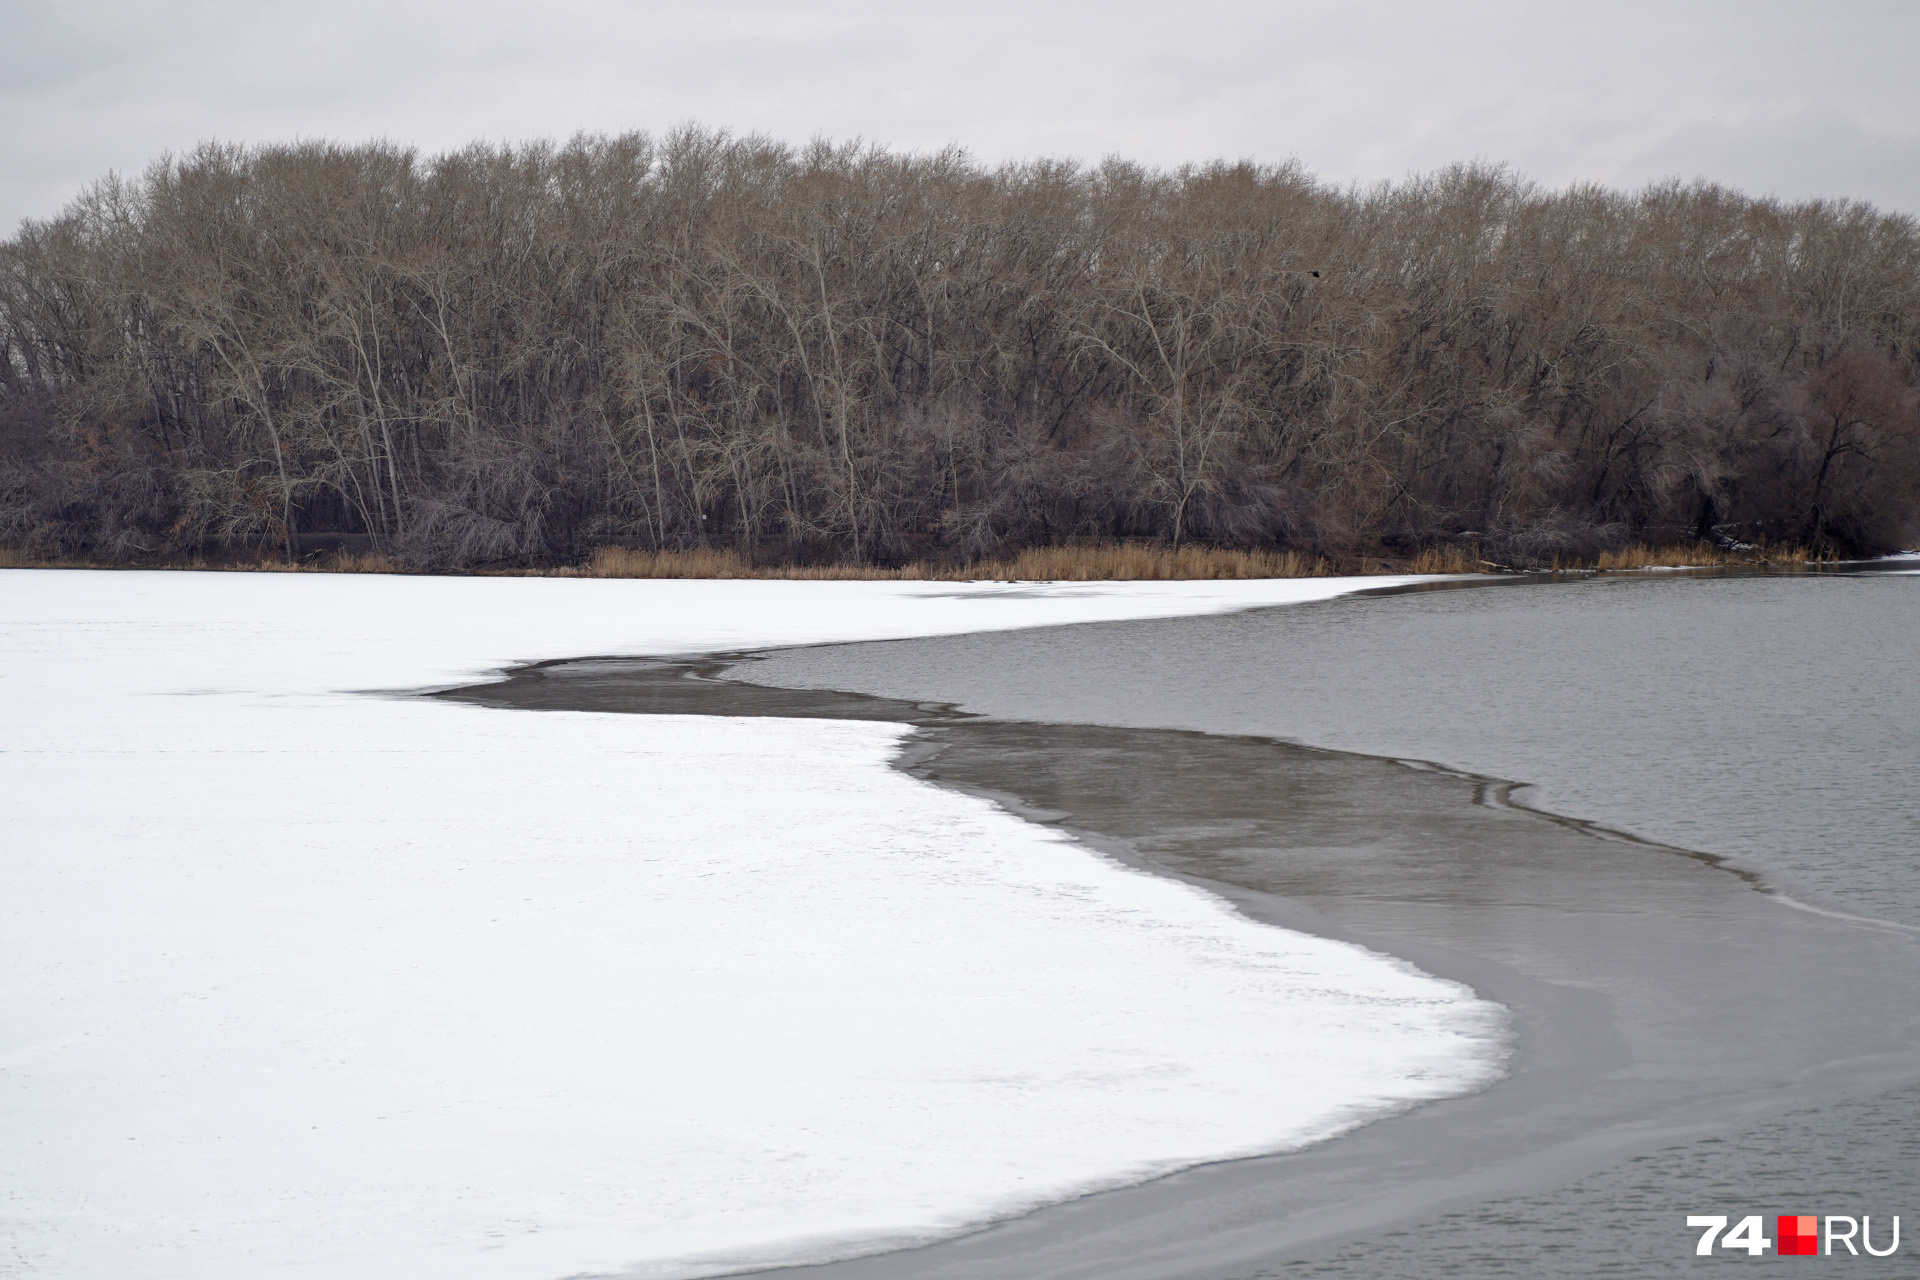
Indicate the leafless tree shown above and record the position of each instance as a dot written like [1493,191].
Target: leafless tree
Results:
[514,354]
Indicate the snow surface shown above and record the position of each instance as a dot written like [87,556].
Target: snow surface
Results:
[296,982]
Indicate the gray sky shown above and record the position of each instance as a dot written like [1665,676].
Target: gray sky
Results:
[1794,99]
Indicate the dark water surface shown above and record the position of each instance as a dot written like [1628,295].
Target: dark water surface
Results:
[1685,1042]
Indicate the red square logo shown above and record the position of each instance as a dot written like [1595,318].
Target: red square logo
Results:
[1799,1235]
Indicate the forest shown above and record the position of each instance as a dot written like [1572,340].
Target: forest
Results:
[519,355]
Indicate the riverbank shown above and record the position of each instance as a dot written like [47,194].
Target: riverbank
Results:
[1078,562]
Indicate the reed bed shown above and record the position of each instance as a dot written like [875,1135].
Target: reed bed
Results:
[1135,562]
[621,562]
[1452,559]
[1705,555]
[1100,562]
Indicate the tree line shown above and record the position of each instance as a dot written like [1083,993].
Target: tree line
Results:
[841,354]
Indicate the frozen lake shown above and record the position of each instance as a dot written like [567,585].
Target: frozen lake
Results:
[301,981]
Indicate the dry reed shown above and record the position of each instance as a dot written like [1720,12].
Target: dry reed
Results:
[620,562]
[1453,559]
[1098,562]
[1134,562]
[1704,555]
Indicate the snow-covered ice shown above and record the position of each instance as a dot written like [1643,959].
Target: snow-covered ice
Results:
[299,982]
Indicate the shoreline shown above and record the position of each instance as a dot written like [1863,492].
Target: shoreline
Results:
[1102,563]
[1570,1037]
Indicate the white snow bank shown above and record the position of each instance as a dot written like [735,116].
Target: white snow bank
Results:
[299,984]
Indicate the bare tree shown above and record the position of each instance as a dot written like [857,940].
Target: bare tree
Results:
[513,354]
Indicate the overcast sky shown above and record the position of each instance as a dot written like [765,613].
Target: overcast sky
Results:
[1794,99]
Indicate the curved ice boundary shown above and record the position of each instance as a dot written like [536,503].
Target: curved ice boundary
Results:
[298,983]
